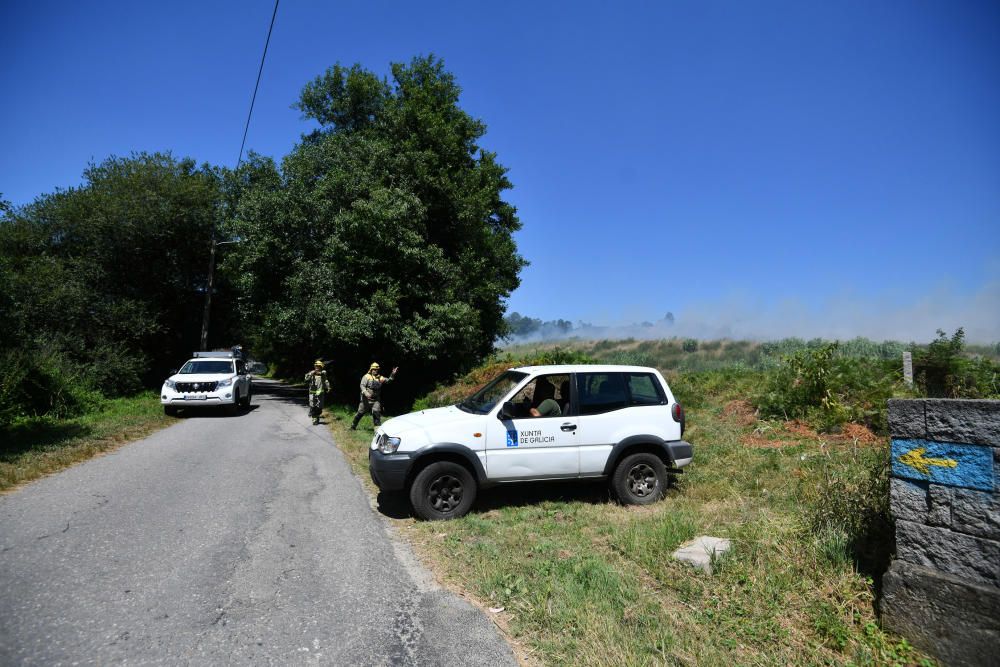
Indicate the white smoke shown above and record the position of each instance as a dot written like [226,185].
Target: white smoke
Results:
[911,319]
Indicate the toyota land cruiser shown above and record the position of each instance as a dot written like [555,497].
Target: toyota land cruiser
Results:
[209,378]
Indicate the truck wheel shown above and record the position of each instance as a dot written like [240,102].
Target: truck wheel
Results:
[234,407]
[442,490]
[245,401]
[170,410]
[639,479]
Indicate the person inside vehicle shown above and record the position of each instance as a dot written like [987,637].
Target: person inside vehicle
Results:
[546,404]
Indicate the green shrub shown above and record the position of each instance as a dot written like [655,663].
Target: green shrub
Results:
[849,507]
[629,358]
[942,370]
[829,389]
[43,382]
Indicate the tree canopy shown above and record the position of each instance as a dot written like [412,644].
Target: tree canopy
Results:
[382,235]
[103,283]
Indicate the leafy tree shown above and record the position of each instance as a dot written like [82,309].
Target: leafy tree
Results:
[383,234]
[522,325]
[103,283]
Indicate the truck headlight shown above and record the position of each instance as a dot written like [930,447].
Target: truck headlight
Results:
[170,384]
[388,445]
[225,383]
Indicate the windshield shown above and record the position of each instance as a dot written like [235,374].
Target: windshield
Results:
[206,367]
[483,400]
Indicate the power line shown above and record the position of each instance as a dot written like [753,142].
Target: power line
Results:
[257,85]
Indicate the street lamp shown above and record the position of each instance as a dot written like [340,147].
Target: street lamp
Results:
[208,292]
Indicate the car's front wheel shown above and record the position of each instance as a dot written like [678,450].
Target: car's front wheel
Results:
[245,401]
[442,490]
[640,479]
[170,410]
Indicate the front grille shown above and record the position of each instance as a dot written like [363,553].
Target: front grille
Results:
[192,387]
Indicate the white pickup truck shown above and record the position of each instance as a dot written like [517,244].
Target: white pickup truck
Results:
[208,379]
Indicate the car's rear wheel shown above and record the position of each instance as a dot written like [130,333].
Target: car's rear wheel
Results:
[639,479]
[443,490]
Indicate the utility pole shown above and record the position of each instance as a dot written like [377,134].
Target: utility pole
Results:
[208,291]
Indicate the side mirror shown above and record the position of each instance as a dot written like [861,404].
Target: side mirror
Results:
[173,371]
[506,410]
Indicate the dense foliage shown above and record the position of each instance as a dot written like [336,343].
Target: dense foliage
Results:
[382,235]
[103,283]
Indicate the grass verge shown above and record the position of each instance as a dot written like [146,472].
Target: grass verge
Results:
[37,446]
[579,579]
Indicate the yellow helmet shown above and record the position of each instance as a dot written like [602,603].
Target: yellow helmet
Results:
[374,366]
[318,363]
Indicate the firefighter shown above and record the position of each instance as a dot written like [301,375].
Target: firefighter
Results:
[318,384]
[371,394]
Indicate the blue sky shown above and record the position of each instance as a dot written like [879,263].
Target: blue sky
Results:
[758,169]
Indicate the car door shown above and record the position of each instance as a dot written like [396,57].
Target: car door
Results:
[601,401]
[530,446]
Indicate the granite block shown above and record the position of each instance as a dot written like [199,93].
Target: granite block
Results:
[974,559]
[906,418]
[976,513]
[963,420]
[956,621]
[909,501]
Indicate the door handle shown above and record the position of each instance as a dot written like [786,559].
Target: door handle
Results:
[568,427]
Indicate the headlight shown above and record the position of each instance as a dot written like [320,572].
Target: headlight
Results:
[225,383]
[170,383]
[388,445]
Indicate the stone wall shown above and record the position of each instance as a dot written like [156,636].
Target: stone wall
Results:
[943,590]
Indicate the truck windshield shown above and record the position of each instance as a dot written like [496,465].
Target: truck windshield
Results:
[483,400]
[206,367]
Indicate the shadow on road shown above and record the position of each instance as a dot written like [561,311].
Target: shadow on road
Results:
[215,412]
[397,505]
[278,391]
[37,435]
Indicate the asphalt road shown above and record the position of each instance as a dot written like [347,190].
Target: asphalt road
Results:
[221,539]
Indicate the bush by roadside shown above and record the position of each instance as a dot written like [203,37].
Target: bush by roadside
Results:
[36,446]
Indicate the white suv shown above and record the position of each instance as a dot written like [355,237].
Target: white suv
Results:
[210,378]
[536,423]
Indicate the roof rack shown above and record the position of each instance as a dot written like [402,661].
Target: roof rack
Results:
[235,353]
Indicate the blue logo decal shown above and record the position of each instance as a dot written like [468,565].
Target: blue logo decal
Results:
[512,438]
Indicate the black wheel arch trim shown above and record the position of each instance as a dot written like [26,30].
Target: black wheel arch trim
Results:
[466,454]
[672,450]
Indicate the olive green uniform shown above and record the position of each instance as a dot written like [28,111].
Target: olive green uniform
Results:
[317,384]
[371,398]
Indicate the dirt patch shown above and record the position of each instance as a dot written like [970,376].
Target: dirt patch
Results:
[850,433]
[860,434]
[801,429]
[760,442]
[741,412]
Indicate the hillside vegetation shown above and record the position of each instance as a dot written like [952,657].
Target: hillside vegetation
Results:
[780,468]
